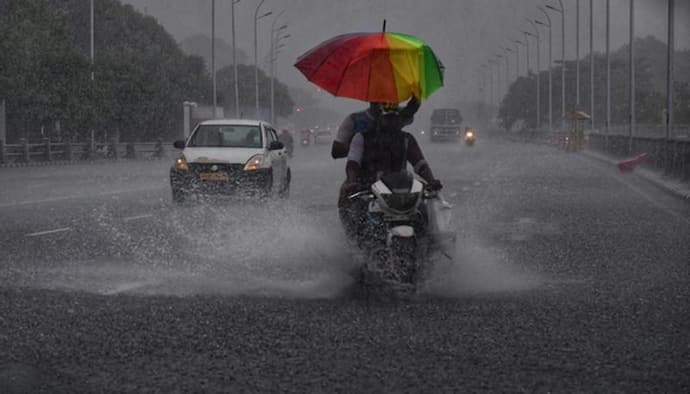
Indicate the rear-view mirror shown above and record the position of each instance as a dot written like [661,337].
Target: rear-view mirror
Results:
[275,145]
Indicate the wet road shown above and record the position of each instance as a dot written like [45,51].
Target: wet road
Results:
[570,277]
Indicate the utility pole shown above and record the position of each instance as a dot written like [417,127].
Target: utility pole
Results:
[562,11]
[608,75]
[538,70]
[234,61]
[92,44]
[577,53]
[548,19]
[256,45]
[631,62]
[591,64]
[669,74]
[213,56]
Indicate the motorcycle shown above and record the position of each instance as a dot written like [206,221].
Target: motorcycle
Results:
[406,223]
[470,137]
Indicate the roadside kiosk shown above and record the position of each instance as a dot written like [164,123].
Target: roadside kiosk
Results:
[576,130]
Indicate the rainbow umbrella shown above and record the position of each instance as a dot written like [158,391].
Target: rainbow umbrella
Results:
[373,67]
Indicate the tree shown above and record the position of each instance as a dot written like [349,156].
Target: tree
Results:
[518,104]
[141,75]
[225,79]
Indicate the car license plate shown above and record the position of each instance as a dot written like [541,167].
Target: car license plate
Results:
[214,176]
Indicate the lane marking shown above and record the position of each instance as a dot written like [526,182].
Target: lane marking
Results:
[63,198]
[129,286]
[138,217]
[59,230]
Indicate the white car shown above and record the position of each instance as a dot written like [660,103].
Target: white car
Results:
[230,156]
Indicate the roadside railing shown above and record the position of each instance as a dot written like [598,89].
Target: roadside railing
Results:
[670,157]
[47,151]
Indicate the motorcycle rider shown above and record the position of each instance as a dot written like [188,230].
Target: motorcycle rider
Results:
[363,121]
[383,149]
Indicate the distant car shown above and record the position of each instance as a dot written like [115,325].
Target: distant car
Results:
[445,125]
[230,157]
[323,137]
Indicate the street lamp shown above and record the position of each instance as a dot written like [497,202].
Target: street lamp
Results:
[506,50]
[213,56]
[538,71]
[92,46]
[498,78]
[274,33]
[256,45]
[562,11]
[550,66]
[608,74]
[591,64]
[517,53]
[631,68]
[274,60]
[234,61]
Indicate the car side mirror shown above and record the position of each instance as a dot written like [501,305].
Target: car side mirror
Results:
[179,144]
[276,145]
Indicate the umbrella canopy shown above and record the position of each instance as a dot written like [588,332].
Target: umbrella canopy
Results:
[373,67]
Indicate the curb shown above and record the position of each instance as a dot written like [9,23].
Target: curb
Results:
[72,162]
[669,185]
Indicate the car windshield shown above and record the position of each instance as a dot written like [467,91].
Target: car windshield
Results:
[227,136]
[446,116]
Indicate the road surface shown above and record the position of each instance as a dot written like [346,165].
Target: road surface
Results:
[569,277]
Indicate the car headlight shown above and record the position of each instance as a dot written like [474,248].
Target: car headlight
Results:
[181,164]
[254,163]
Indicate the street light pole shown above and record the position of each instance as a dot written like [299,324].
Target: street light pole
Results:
[577,53]
[274,31]
[631,62]
[213,55]
[669,72]
[256,45]
[562,11]
[92,45]
[274,70]
[538,71]
[548,19]
[498,79]
[591,64]
[517,52]
[608,74]
[234,61]
[506,50]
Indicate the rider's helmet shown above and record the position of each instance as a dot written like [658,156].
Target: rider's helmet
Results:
[390,109]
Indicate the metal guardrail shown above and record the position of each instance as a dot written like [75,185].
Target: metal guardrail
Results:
[47,151]
[671,158]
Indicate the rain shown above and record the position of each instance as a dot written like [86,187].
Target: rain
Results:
[359,196]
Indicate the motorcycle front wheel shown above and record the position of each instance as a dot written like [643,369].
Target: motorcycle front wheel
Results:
[403,259]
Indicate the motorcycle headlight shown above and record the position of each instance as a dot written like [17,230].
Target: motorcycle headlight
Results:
[181,164]
[254,163]
[469,134]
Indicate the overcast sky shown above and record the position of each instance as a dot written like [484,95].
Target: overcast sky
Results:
[463,33]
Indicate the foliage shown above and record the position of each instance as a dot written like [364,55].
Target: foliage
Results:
[140,74]
[517,106]
[247,91]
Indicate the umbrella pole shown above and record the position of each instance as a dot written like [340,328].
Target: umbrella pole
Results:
[384,25]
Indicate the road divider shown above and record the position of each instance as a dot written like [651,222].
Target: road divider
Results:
[48,232]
